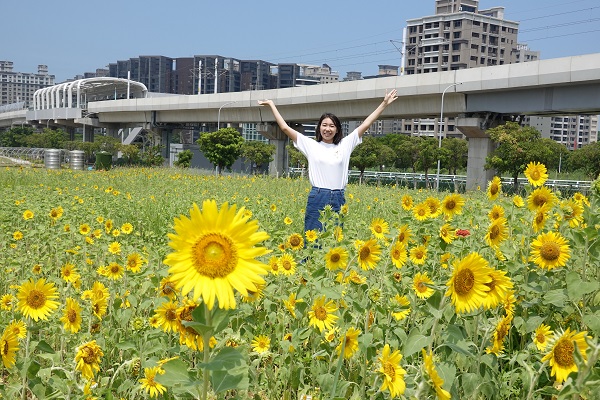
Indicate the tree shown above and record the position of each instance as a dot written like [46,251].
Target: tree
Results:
[516,147]
[296,159]
[184,159]
[587,159]
[427,154]
[15,137]
[369,154]
[222,148]
[48,139]
[259,153]
[454,154]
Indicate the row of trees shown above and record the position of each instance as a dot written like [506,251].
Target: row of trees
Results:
[516,146]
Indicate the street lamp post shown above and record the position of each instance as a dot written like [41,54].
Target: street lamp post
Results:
[437,180]
[219,114]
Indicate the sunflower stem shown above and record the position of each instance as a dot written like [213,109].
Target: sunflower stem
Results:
[206,342]
[338,369]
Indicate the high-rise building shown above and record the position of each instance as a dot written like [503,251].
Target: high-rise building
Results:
[19,87]
[574,131]
[153,71]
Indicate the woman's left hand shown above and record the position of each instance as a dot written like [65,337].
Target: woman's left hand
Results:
[390,97]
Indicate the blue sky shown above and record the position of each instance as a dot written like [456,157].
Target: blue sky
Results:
[73,37]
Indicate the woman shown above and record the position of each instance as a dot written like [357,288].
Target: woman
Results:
[328,158]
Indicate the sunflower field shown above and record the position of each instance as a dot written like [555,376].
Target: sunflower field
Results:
[163,283]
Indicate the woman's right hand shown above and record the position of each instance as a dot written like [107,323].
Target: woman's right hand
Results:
[265,102]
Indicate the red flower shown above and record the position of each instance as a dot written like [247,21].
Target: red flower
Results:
[462,232]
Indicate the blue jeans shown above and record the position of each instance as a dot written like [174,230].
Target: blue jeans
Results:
[318,198]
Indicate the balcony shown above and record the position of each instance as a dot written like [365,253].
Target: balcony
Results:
[433,41]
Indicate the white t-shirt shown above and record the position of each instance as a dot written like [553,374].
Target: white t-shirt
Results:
[327,162]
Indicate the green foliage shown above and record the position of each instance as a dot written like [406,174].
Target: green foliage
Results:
[222,148]
[516,147]
[15,137]
[296,158]
[260,153]
[587,159]
[131,153]
[48,139]
[427,153]
[184,159]
[454,154]
[369,154]
[406,149]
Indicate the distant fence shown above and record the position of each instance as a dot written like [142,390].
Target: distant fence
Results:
[452,183]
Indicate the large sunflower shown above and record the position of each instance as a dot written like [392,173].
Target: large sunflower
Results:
[349,342]
[500,286]
[447,233]
[435,206]
[550,250]
[9,345]
[536,173]
[540,197]
[494,188]
[88,359]
[336,258]
[295,241]
[36,299]
[541,336]
[540,218]
[287,264]
[496,212]
[452,205]
[149,384]
[421,212]
[261,344]
[421,285]
[391,371]
[436,380]
[562,355]
[404,234]
[572,212]
[398,254]
[379,228]
[418,255]
[215,253]
[71,318]
[497,232]
[322,315]
[368,254]
[467,285]
[500,333]
[407,202]
[167,317]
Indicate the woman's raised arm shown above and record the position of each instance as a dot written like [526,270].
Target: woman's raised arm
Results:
[387,100]
[291,133]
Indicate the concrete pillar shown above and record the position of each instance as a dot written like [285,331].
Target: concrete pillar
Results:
[165,142]
[279,165]
[480,147]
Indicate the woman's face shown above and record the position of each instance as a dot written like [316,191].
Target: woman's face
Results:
[328,130]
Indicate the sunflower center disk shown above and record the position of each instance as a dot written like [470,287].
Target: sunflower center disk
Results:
[364,253]
[563,353]
[321,313]
[89,357]
[5,348]
[72,316]
[335,257]
[36,299]
[464,282]
[550,251]
[389,370]
[215,255]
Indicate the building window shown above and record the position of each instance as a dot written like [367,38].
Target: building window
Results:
[457,35]
[457,23]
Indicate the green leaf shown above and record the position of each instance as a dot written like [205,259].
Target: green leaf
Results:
[576,287]
[532,323]
[126,345]
[414,343]
[592,321]
[44,347]
[556,297]
[461,347]
[227,358]
[233,379]
[176,372]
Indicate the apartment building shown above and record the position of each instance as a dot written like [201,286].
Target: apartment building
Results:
[19,87]
[574,131]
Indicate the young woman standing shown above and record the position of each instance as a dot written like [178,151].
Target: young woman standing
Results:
[328,158]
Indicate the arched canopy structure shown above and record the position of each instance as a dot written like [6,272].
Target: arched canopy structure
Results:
[76,94]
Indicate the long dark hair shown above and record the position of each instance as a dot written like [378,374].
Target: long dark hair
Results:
[336,121]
